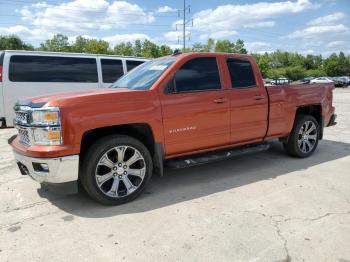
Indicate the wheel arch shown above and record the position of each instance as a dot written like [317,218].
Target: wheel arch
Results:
[140,131]
[314,110]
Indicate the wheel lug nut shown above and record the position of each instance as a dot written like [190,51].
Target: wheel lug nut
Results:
[114,168]
[125,173]
[120,176]
[125,167]
[119,164]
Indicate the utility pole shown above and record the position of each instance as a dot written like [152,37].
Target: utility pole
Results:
[185,23]
[184,26]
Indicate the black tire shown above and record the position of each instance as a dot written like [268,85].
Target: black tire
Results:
[292,147]
[94,154]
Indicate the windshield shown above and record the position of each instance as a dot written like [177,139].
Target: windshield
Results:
[145,75]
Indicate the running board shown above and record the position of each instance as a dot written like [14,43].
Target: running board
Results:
[215,156]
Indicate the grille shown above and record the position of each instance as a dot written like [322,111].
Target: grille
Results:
[24,136]
[21,117]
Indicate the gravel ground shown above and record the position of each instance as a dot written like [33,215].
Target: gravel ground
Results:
[261,207]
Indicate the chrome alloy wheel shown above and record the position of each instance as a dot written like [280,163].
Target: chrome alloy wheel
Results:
[307,136]
[120,171]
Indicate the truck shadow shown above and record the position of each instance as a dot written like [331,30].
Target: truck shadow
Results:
[181,185]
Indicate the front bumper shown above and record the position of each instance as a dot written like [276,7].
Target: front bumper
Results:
[56,170]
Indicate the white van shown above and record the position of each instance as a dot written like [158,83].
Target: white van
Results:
[31,73]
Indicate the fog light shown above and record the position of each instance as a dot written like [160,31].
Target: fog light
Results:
[41,167]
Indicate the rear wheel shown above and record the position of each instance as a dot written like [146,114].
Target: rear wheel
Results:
[303,139]
[116,169]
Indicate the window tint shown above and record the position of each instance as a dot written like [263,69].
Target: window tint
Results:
[241,73]
[130,64]
[198,74]
[52,69]
[112,69]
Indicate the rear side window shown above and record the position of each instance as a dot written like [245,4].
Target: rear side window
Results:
[112,70]
[130,64]
[241,72]
[52,69]
[198,74]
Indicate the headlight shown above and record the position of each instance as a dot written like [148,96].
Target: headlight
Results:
[47,136]
[46,126]
[46,117]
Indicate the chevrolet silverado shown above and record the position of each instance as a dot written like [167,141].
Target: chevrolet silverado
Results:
[174,111]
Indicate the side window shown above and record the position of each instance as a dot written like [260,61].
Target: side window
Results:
[241,72]
[112,70]
[198,74]
[52,69]
[131,64]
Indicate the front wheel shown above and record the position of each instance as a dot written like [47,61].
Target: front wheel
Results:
[303,139]
[116,169]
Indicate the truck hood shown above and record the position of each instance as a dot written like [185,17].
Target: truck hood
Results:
[81,97]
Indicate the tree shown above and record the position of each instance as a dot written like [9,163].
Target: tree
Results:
[239,48]
[79,45]
[336,65]
[59,43]
[13,42]
[137,49]
[150,49]
[165,50]
[209,46]
[224,46]
[124,49]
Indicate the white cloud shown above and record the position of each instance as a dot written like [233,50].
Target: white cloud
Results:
[85,15]
[258,47]
[26,34]
[319,31]
[118,38]
[166,9]
[232,17]
[260,24]
[328,19]
[218,35]
[324,32]
[335,43]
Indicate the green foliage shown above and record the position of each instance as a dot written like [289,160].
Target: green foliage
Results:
[337,65]
[13,42]
[272,65]
[227,46]
[59,43]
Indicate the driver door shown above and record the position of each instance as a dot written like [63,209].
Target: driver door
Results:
[196,113]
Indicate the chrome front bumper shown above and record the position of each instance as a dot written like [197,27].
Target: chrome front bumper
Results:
[49,170]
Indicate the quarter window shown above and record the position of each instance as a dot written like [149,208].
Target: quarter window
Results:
[241,72]
[52,69]
[112,70]
[198,74]
[131,64]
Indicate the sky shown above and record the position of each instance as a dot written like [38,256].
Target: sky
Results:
[304,26]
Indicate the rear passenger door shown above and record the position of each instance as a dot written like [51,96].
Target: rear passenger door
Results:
[248,102]
[195,108]
[111,70]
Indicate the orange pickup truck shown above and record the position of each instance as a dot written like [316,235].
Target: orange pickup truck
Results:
[175,111]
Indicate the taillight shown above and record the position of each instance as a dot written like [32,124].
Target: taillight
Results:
[0,73]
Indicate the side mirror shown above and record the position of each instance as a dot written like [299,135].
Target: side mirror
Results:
[171,86]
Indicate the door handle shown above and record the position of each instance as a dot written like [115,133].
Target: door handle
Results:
[259,97]
[220,100]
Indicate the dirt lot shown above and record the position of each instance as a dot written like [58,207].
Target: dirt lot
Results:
[262,207]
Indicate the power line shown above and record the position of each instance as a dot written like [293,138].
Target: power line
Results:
[88,9]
